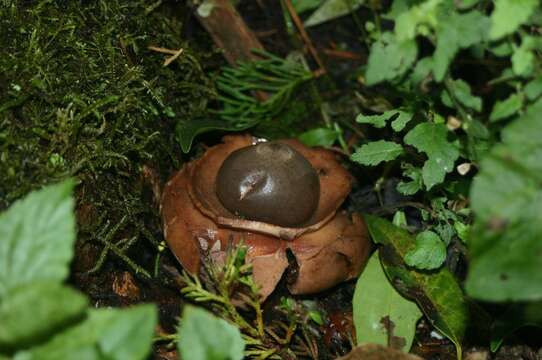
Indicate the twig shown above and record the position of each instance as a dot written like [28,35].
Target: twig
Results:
[174,53]
[305,36]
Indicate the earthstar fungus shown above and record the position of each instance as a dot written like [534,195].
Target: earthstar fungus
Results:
[274,197]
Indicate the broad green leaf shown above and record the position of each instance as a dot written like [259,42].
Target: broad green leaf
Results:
[431,139]
[36,237]
[301,6]
[390,58]
[382,315]
[506,108]
[375,152]
[506,197]
[456,31]
[104,334]
[462,93]
[417,20]
[515,317]
[534,88]
[332,9]
[186,131]
[437,293]
[429,253]
[319,137]
[202,336]
[36,310]
[508,15]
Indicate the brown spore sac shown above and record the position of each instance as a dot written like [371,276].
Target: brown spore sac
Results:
[269,182]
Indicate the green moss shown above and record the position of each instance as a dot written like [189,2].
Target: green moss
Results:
[81,95]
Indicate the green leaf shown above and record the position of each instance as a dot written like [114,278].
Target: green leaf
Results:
[202,336]
[456,31]
[378,121]
[105,334]
[301,6]
[437,293]
[417,20]
[429,253]
[431,139]
[35,310]
[390,58]
[332,9]
[421,72]
[506,108]
[382,315]
[515,317]
[461,91]
[533,89]
[524,58]
[187,131]
[509,15]
[319,137]
[411,187]
[401,121]
[506,195]
[375,152]
[36,237]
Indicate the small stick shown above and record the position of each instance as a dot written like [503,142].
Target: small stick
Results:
[162,50]
[174,53]
[305,36]
[172,58]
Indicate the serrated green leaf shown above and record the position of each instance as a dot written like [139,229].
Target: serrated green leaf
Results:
[508,15]
[390,58]
[506,198]
[104,334]
[35,310]
[36,237]
[382,315]
[437,293]
[376,152]
[456,31]
[401,118]
[332,9]
[506,108]
[461,91]
[202,336]
[378,121]
[319,137]
[431,139]
[429,253]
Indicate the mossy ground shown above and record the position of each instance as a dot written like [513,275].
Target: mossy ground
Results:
[82,96]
